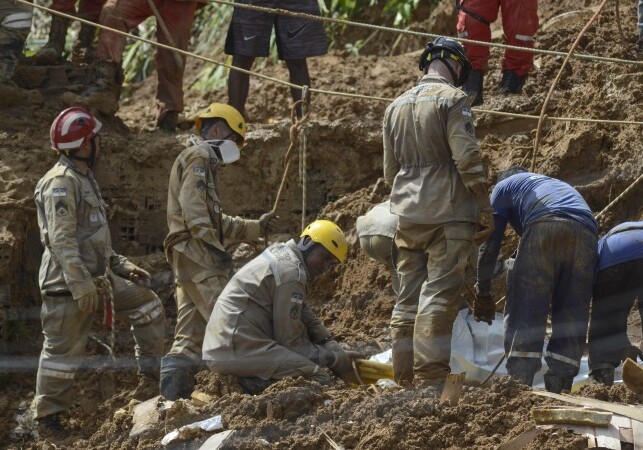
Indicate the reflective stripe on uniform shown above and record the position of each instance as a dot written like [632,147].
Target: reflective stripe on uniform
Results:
[524,37]
[435,303]
[516,354]
[57,369]
[56,374]
[146,314]
[200,221]
[463,34]
[561,358]
[17,20]
[404,315]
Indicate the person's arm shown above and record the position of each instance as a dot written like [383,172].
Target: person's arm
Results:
[465,150]
[289,327]
[317,332]
[391,164]
[488,255]
[193,195]
[60,201]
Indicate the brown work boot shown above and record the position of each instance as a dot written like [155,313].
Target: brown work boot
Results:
[53,49]
[402,342]
[83,50]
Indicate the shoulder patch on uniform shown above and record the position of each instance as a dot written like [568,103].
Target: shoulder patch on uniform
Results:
[199,170]
[466,111]
[297,303]
[61,208]
[469,127]
[201,185]
[59,192]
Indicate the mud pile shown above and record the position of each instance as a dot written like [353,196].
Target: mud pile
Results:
[344,164]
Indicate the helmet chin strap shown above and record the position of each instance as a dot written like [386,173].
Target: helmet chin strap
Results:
[91,159]
[456,79]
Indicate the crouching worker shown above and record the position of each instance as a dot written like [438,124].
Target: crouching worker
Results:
[261,328]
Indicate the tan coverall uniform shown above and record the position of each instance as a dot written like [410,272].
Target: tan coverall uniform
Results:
[376,230]
[432,162]
[72,217]
[195,246]
[261,326]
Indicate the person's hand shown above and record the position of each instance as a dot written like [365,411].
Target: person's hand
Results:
[484,308]
[268,222]
[343,365]
[88,303]
[141,277]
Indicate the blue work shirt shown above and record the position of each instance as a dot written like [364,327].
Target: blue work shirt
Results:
[622,243]
[521,200]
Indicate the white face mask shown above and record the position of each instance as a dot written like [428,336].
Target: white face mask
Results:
[226,150]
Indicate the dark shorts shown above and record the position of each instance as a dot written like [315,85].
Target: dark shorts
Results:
[297,38]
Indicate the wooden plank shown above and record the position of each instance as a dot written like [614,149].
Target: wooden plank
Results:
[635,413]
[608,438]
[637,429]
[626,435]
[571,416]
[523,439]
[633,376]
[452,388]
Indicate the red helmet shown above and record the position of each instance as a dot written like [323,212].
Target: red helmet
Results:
[72,128]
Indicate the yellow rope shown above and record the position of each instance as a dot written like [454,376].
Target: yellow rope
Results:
[369,26]
[292,85]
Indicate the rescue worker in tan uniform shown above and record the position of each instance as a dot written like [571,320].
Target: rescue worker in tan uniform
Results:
[199,231]
[78,257]
[261,328]
[439,192]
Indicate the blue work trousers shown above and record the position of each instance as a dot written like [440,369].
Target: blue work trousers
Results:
[553,273]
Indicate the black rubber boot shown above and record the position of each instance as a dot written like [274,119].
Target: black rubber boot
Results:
[511,83]
[50,426]
[177,377]
[473,87]
[557,383]
[603,375]
[253,385]
[523,370]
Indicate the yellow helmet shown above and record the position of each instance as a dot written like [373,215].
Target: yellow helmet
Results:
[233,118]
[329,235]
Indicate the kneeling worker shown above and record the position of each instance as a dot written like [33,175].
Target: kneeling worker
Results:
[261,328]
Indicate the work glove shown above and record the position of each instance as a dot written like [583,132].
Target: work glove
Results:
[141,277]
[342,366]
[485,225]
[268,222]
[484,308]
[88,303]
